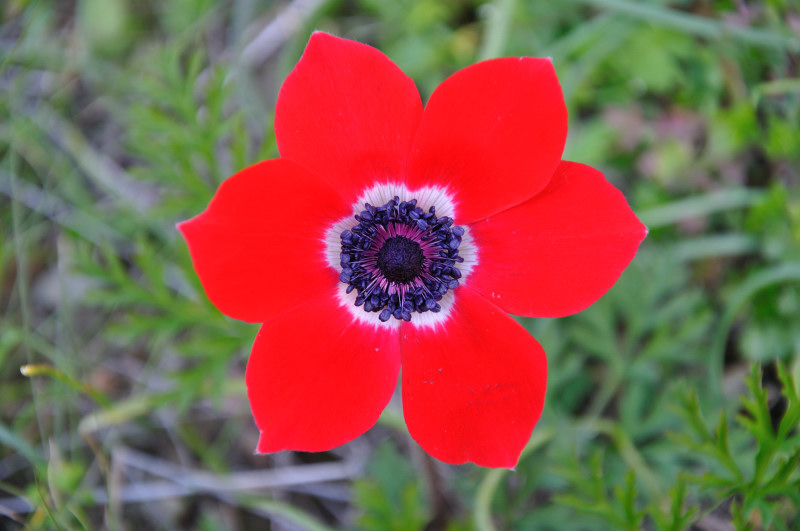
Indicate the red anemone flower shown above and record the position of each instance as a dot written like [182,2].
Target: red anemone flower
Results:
[387,235]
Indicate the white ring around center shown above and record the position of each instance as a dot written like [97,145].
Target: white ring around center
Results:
[379,195]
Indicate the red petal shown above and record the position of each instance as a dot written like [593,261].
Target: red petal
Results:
[492,133]
[559,252]
[348,113]
[474,388]
[317,378]
[258,247]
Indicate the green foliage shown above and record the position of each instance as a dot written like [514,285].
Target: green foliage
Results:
[617,508]
[750,465]
[390,497]
[760,473]
[672,402]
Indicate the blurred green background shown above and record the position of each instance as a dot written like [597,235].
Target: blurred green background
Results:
[673,402]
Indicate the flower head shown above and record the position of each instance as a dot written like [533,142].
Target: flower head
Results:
[389,235]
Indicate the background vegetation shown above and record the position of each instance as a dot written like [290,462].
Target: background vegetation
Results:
[673,402]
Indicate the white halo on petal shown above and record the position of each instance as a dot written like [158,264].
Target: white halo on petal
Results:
[436,319]
[348,302]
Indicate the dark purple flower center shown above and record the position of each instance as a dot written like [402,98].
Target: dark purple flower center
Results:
[400,259]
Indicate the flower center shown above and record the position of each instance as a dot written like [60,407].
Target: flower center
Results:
[401,259]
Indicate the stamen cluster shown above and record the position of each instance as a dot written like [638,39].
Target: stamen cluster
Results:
[400,258]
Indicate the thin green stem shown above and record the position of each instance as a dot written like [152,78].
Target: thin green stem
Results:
[40,369]
[698,206]
[486,490]
[483,499]
[498,26]
[700,26]
[284,511]
[608,388]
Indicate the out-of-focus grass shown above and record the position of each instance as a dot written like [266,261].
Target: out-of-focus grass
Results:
[672,402]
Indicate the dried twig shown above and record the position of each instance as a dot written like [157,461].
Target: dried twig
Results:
[181,481]
[278,31]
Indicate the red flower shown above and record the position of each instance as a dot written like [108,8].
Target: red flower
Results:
[386,235]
